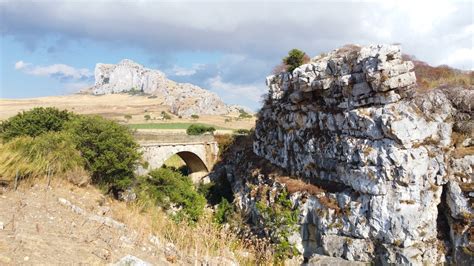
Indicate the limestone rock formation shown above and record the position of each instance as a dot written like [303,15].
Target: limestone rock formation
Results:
[183,98]
[350,122]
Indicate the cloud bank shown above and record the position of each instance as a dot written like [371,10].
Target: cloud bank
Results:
[252,35]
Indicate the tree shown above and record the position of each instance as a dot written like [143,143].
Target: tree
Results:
[110,152]
[147,117]
[295,59]
[194,116]
[128,117]
[34,122]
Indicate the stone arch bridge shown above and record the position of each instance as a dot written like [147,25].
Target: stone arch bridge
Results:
[198,152]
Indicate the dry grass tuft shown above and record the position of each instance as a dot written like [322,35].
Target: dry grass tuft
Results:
[203,238]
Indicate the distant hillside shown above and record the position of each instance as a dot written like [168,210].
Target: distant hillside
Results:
[431,77]
[183,98]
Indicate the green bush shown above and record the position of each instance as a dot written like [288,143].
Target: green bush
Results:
[34,122]
[168,188]
[280,216]
[108,148]
[51,153]
[128,117]
[165,115]
[199,129]
[295,59]
[223,211]
[147,117]
[194,116]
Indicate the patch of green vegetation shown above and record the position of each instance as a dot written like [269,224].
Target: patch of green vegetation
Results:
[147,117]
[243,114]
[109,149]
[47,139]
[242,131]
[136,91]
[34,123]
[51,153]
[196,129]
[170,126]
[194,116]
[223,211]
[295,59]
[165,115]
[281,217]
[169,189]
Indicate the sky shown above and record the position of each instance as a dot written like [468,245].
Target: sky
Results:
[51,47]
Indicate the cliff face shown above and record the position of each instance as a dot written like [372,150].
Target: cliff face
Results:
[183,98]
[351,123]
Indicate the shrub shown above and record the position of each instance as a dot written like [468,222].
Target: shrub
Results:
[147,117]
[280,216]
[168,188]
[194,116]
[108,148]
[242,131]
[244,114]
[199,129]
[34,122]
[223,211]
[295,59]
[165,115]
[128,117]
[51,153]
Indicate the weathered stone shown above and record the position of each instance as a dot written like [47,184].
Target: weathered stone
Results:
[386,149]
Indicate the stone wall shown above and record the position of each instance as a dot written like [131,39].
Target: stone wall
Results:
[351,118]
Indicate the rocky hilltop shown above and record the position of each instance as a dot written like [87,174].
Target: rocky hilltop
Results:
[377,171]
[183,98]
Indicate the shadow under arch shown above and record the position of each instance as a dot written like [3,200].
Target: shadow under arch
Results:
[195,165]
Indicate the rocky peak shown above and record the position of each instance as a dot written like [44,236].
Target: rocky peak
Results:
[183,98]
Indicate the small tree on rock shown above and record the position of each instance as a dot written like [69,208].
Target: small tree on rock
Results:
[295,59]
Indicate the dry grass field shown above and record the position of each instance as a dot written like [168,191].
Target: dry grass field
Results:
[120,107]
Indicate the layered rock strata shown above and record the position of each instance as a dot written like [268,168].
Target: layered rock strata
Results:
[351,118]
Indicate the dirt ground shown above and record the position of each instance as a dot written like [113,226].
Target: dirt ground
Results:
[38,227]
[114,106]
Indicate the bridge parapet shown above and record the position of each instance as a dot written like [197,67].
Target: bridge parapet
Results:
[163,137]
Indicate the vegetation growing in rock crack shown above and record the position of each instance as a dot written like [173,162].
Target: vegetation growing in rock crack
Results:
[283,219]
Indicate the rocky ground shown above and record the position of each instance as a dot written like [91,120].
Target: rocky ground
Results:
[65,224]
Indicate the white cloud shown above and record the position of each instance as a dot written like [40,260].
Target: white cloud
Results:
[182,71]
[461,58]
[20,65]
[59,71]
[236,93]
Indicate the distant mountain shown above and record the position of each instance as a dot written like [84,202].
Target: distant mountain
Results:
[183,98]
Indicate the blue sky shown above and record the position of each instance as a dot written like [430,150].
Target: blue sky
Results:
[51,47]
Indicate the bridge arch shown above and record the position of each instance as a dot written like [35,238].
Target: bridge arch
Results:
[198,156]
